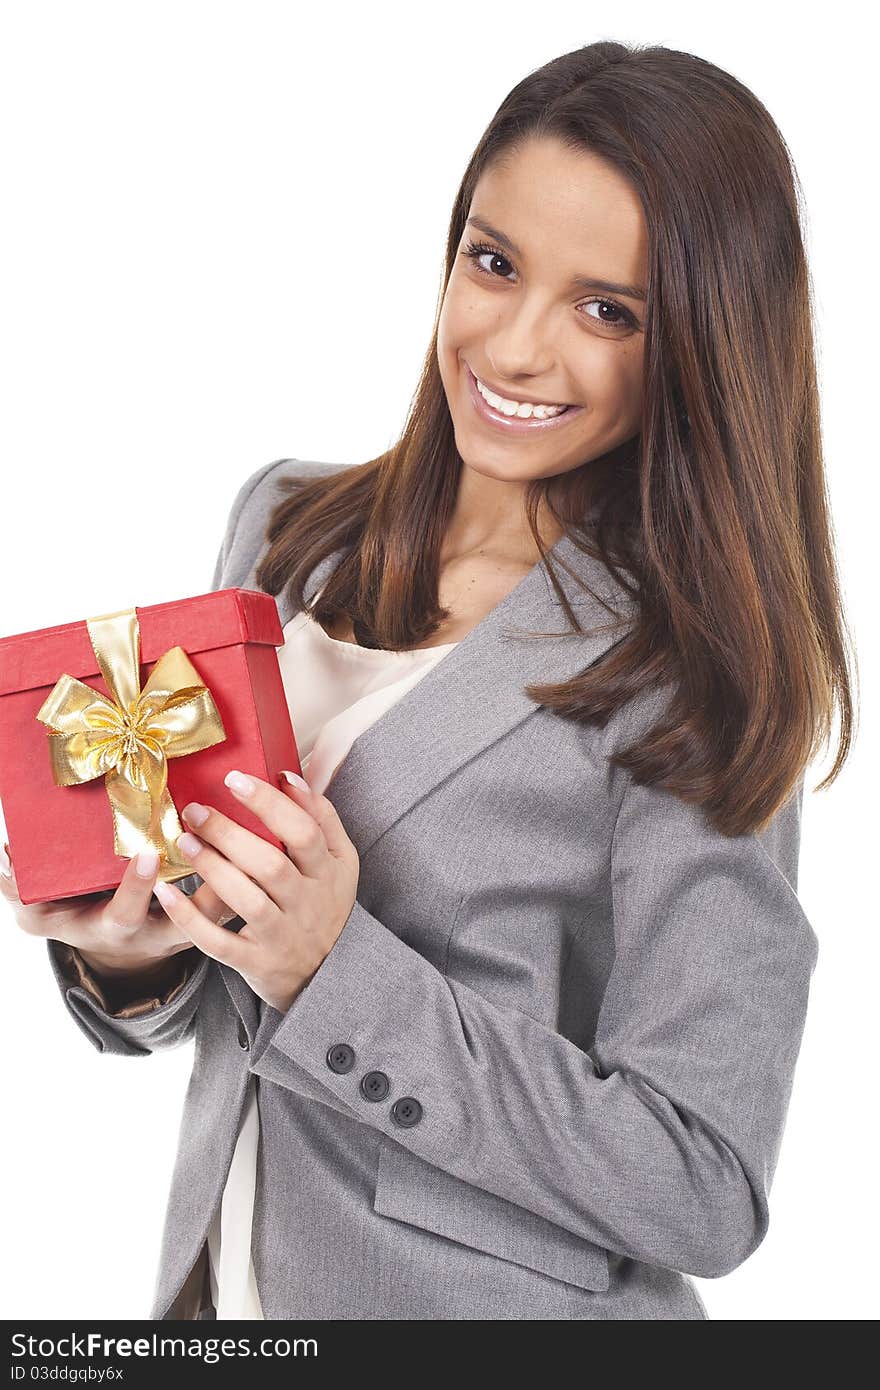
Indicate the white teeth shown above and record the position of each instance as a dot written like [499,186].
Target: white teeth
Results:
[523,409]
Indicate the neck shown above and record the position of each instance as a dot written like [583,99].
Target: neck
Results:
[490,520]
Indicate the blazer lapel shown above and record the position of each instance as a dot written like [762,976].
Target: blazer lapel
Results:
[474,694]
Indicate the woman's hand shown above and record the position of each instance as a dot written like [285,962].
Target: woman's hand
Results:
[118,933]
[294,901]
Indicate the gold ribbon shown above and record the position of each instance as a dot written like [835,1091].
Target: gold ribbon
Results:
[129,737]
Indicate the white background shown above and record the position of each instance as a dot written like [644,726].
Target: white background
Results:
[222,243]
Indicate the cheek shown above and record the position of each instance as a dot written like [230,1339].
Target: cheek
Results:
[462,317]
[612,381]
[630,385]
[455,340]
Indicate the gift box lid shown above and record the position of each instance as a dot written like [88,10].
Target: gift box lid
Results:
[29,660]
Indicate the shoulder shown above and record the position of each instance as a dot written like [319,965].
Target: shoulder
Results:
[251,509]
[260,493]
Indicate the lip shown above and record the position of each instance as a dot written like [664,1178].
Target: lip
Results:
[515,423]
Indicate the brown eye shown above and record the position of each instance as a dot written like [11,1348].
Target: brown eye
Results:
[477,250]
[624,318]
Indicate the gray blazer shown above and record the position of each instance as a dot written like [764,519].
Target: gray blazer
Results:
[544,1071]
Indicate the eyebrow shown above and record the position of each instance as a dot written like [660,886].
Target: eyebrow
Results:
[580,282]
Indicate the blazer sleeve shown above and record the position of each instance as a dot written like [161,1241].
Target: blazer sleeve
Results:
[167,1023]
[126,998]
[166,1019]
[660,1141]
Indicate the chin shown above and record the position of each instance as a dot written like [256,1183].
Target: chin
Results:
[499,469]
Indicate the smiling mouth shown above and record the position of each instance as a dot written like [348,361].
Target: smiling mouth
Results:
[510,418]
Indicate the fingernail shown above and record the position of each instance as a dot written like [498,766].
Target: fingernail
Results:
[164,892]
[189,844]
[296,781]
[195,813]
[5,865]
[238,782]
[147,863]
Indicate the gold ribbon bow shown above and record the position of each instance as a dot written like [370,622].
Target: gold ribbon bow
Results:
[130,736]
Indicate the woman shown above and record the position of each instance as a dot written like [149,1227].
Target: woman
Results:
[509,1028]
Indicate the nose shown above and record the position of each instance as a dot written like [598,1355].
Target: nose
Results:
[521,344]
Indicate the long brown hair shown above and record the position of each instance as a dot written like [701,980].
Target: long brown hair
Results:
[716,514]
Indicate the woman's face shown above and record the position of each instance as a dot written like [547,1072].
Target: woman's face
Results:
[525,311]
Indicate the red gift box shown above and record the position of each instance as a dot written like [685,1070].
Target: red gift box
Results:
[61,838]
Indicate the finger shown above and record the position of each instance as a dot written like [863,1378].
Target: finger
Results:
[132,884]
[8,886]
[165,937]
[212,906]
[276,872]
[163,933]
[323,811]
[228,947]
[290,819]
[253,901]
[130,903]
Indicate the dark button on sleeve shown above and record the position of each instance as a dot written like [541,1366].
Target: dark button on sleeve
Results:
[406,1111]
[340,1057]
[375,1085]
